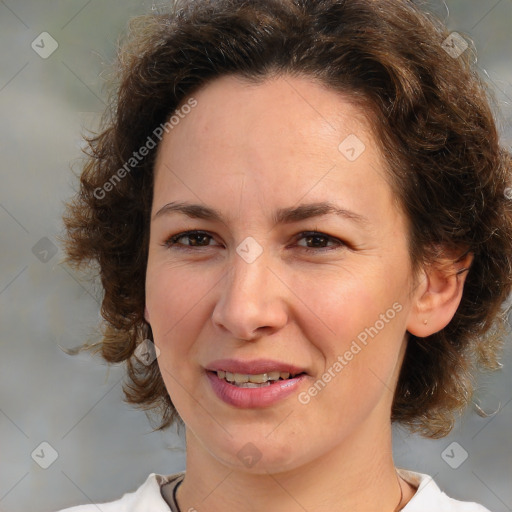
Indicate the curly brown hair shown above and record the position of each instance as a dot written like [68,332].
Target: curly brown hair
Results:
[435,127]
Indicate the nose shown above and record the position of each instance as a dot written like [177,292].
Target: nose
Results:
[252,300]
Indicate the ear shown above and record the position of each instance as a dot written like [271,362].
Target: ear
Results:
[438,294]
[146,314]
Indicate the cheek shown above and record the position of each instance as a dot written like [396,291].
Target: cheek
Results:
[344,304]
[357,324]
[173,290]
[173,298]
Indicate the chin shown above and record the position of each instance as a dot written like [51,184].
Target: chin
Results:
[258,455]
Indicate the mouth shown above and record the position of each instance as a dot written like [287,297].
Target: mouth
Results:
[256,383]
[254,380]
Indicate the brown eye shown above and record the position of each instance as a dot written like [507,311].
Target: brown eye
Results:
[195,239]
[316,241]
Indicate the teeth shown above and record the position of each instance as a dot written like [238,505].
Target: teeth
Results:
[240,379]
[258,379]
[246,380]
[252,385]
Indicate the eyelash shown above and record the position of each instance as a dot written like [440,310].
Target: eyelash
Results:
[172,241]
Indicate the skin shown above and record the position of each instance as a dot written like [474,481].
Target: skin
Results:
[247,150]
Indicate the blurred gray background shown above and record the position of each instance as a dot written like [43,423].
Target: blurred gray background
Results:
[98,447]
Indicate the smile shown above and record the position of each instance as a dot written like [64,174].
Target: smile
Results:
[255,383]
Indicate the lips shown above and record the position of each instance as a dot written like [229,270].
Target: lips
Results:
[253,384]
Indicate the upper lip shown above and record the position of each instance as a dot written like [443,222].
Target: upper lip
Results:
[253,367]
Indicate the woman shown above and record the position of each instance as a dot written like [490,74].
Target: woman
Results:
[300,218]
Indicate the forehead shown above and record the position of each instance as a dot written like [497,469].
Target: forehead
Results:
[296,109]
[286,135]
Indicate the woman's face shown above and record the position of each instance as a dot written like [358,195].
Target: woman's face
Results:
[279,282]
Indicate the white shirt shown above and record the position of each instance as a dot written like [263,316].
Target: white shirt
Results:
[148,497]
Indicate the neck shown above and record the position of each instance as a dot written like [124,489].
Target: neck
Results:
[357,475]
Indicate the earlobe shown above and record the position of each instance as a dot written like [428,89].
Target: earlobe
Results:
[146,314]
[438,295]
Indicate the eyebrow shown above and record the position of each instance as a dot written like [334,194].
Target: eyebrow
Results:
[281,216]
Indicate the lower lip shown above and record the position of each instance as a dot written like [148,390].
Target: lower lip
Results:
[252,398]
